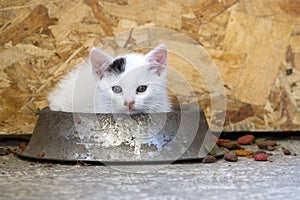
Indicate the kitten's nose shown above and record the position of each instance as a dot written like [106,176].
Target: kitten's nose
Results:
[129,104]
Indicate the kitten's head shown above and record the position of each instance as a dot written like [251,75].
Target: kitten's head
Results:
[132,82]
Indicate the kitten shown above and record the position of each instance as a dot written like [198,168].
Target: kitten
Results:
[131,83]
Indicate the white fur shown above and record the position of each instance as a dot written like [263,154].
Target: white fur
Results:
[82,90]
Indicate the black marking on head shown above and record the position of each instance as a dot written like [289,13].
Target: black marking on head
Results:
[118,66]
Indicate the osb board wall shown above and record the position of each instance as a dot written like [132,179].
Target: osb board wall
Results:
[254,43]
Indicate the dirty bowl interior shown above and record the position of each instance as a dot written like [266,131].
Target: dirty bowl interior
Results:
[180,135]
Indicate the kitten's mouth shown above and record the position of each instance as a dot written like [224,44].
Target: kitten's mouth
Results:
[131,110]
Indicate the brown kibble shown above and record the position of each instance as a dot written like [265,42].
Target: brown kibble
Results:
[243,153]
[266,144]
[271,148]
[22,146]
[261,157]
[48,165]
[245,140]
[286,151]
[231,145]
[209,159]
[220,141]
[41,154]
[231,157]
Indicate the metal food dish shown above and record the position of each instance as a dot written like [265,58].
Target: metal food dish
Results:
[180,135]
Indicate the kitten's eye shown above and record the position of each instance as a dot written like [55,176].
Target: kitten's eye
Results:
[116,89]
[141,88]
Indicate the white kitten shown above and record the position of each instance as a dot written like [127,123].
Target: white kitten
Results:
[129,83]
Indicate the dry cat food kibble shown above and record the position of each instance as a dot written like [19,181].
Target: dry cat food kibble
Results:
[244,153]
[209,159]
[231,157]
[261,157]
[234,150]
[286,151]
[230,145]
[267,144]
[220,141]
[22,146]
[245,140]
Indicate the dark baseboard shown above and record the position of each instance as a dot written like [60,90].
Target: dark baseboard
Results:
[262,134]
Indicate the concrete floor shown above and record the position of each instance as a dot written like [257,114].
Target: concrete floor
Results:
[245,179]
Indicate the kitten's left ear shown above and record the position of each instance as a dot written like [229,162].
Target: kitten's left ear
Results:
[158,58]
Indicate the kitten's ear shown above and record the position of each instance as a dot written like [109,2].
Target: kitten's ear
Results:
[99,61]
[158,58]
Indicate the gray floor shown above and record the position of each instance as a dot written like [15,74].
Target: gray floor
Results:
[245,179]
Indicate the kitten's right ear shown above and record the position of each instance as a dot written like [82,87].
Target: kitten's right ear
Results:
[158,58]
[99,61]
